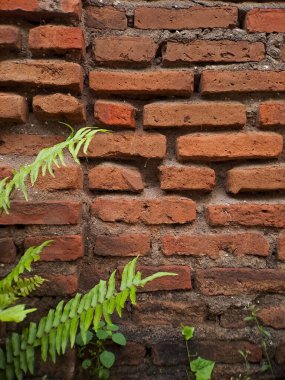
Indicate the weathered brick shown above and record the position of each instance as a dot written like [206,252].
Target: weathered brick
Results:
[115,177]
[153,82]
[106,18]
[132,354]
[123,245]
[229,146]
[6,172]
[272,114]
[187,178]
[23,144]
[191,18]
[59,107]
[125,50]
[10,37]
[260,178]
[42,74]
[215,245]
[23,5]
[69,177]
[233,281]
[265,20]
[214,82]
[72,8]
[273,316]
[49,212]
[63,248]
[56,40]
[280,354]
[13,108]
[7,251]
[281,247]
[203,114]
[250,214]
[166,210]
[283,53]
[119,114]
[58,285]
[213,51]
[127,145]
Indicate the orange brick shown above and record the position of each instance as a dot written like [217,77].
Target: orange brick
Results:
[117,114]
[265,20]
[10,37]
[13,108]
[272,114]
[106,18]
[122,245]
[69,177]
[281,247]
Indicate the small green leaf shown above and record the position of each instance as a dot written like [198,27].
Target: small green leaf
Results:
[86,363]
[202,368]
[89,337]
[102,334]
[188,332]
[119,338]
[107,358]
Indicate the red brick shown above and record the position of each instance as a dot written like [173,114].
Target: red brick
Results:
[6,171]
[122,245]
[117,114]
[23,144]
[214,82]
[213,51]
[69,177]
[13,108]
[283,53]
[56,40]
[234,281]
[7,251]
[180,282]
[49,212]
[166,210]
[127,145]
[63,248]
[58,285]
[132,354]
[272,114]
[23,5]
[280,354]
[281,247]
[72,8]
[229,146]
[59,107]
[260,178]
[10,37]
[203,114]
[216,245]
[153,82]
[191,18]
[250,214]
[187,178]
[265,20]
[273,316]
[42,74]
[115,177]
[125,49]
[106,18]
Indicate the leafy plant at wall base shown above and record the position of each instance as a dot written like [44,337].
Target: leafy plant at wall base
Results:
[96,359]
[57,330]
[200,368]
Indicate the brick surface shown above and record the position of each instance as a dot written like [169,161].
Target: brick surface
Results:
[127,145]
[135,244]
[58,285]
[273,316]
[192,18]
[204,114]
[260,178]
[229,146]
[154,82]
[119,114]
[59,107]
[251,214]
[265,20]
[24,5]
[215,245]
[49,212]
[56,39]
[280,354]
[167,210]
[106,18]
[213,51]
[272,114]
[125,49]
[115,177]
[13,108]
[6,172]
[42,74]
[214,82]
[232,281]
[10,37]
[63,248]
[187,178]
[281,247]
[7,251]
[69,177]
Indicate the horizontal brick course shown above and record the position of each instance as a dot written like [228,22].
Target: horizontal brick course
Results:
[106,18]
[265,20]
[13,108]
[69,177]
[133,244]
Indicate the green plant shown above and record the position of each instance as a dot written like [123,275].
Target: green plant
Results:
[96,358]
[200,368]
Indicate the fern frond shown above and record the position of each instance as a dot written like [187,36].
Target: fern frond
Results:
[15,313]
[45,161]
[57,330]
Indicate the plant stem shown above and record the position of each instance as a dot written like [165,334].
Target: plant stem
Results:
[189,359]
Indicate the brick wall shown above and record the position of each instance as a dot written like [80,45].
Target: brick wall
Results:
[192,179]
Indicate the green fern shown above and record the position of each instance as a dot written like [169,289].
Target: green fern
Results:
[58,330]
[44,162]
